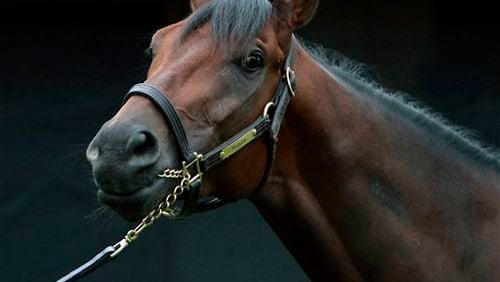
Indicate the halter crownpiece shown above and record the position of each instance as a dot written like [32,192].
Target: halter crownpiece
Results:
[194,165]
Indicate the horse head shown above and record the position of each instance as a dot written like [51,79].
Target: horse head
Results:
[218,68]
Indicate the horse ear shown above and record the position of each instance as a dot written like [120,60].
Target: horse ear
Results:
[299,12]
[195,4]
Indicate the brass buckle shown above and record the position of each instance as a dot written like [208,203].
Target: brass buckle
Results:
[187,166]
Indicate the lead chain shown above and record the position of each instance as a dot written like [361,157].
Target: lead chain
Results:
[172,174]
[165,208]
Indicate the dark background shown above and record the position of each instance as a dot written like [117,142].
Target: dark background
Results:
[64,66]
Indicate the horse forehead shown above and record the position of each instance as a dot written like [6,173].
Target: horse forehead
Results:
[174,52]
[199,49]
[177,62]
[176,39]
[167,31]
[170,38]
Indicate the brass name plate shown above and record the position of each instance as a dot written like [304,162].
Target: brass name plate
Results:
[238,144]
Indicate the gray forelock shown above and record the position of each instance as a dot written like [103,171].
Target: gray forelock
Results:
[232,21]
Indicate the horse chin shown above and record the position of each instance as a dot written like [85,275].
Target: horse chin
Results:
[135,206]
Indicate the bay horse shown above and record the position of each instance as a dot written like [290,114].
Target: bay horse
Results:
[360,184]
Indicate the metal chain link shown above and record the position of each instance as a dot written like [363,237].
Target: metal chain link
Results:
[165,208]
[172,174]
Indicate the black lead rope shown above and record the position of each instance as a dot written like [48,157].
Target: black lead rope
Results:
[269,123]
[101,258]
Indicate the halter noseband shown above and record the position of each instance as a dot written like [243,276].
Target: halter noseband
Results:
[194,165]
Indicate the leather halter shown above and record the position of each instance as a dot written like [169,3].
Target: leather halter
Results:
[266,125]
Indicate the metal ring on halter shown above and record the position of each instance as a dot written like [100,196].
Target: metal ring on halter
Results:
[290,77]
[267,108]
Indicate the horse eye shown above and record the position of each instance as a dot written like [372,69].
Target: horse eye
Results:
[253,62]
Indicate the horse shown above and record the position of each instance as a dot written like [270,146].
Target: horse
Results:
[358,182]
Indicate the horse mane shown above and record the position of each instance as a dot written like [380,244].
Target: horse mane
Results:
[456,138]
[239,21]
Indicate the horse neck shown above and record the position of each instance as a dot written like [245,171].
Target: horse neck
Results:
[337,152]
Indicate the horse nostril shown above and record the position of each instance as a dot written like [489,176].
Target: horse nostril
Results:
[138,144]
[143,146]
[121,156]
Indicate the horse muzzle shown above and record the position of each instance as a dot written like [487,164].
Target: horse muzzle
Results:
[121,155]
